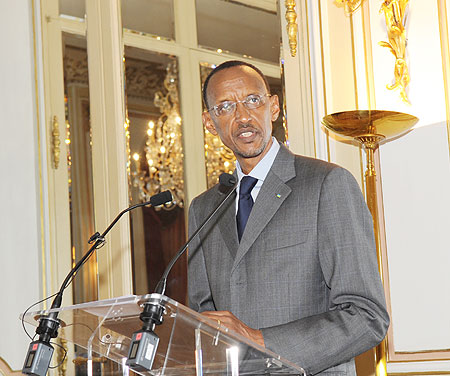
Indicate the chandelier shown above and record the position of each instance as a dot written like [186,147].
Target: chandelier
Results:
[163,147]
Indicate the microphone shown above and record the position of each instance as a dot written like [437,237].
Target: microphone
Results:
[226,181]
[40,351]
[144,342]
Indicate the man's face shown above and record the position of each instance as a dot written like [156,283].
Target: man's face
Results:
[247,132]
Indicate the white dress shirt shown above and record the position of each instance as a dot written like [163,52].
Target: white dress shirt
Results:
[259,172]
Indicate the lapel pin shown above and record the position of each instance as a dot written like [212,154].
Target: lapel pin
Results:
[278,195]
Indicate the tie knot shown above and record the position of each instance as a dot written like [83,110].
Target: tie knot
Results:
[247,184]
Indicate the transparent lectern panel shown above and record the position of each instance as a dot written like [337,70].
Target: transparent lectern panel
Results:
[189,343]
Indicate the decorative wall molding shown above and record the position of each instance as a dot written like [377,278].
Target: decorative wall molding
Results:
[143,78]
[75,66]
[350,6]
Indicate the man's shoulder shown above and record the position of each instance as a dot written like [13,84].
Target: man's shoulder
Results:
[309,166]
[285,156]
[320,175]
[307,172]
[315,163]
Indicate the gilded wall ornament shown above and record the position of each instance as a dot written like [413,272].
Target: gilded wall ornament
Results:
[291,18]
[395,16]
[350,6]
[56,151]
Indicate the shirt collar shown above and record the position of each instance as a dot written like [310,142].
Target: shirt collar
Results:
[261,170]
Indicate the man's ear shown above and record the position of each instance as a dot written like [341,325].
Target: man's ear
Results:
[274,107]
[209,123]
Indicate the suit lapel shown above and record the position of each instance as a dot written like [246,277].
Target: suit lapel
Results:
[272,194]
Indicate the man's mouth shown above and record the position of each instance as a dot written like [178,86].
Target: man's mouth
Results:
[246,132]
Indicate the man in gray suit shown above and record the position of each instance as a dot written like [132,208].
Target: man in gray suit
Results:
[300,277]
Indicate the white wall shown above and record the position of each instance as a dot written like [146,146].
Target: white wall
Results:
[19,188]
[416,186]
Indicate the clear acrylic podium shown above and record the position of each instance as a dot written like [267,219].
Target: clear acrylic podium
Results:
[189,344]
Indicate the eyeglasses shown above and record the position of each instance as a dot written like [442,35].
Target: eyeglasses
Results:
[251,102]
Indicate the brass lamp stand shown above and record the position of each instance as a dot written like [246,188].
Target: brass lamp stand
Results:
[371,128]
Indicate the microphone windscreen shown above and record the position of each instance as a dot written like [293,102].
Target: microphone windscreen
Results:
[227,180]
[161,198]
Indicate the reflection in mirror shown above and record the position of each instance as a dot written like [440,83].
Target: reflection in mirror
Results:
[79,163]
[153,17]
[217,156]
[247,27]
[73,8]
[155,164]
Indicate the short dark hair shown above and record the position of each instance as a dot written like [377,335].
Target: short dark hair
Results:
[226,65]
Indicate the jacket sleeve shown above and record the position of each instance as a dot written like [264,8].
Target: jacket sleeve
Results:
[199,292]
[356,319]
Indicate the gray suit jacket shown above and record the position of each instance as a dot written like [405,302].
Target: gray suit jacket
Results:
[305,272]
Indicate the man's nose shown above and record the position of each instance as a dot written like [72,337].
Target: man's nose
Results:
[242,113]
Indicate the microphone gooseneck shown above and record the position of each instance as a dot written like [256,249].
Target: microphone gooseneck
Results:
[98,240]
[40,352]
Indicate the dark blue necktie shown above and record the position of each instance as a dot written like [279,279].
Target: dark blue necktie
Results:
[245,203]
